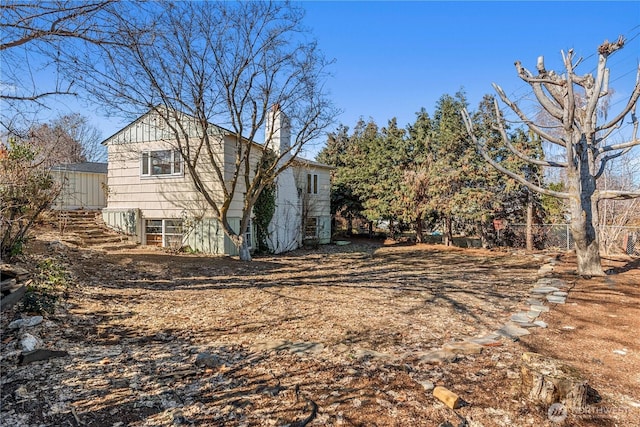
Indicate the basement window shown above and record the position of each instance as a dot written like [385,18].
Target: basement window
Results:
[166,233]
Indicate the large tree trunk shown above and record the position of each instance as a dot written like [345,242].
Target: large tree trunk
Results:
[244,252]
[584,218]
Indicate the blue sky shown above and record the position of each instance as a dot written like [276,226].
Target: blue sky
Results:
[392,58]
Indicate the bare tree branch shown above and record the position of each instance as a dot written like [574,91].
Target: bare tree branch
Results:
[618,195]
[519,178]
[514,150]
[543,134]
[633,99]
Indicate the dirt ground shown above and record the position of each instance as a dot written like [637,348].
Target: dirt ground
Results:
[317,337]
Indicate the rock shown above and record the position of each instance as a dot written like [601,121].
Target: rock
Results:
[57,245]
[547,281]
[427,385]
[208,360]
[540,324]
[539,307]
[544,290]
[556,299]
[293,347]
[520,317]
[622,352]
[491,340]
[40,354]
[546,268]
[561,293]
[305,347]
[437,356]
[26,322]
[29,343]
[533,314]
[512,331]
[363,353]
[465,347]
[13,271]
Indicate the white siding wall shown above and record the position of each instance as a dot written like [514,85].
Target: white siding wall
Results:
[162,197]
[81,190]
[316,205]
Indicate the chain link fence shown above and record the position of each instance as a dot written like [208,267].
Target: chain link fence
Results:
[613,239]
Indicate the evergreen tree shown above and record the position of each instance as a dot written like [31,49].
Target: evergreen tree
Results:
[449,174]
[336,153]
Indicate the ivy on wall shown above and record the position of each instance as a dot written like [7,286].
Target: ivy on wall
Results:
[265,205]
[263,211]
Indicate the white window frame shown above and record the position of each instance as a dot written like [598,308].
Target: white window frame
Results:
[146,161]
[312,183]
[166,235]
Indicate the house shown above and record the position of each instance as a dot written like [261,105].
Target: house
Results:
[84,186]
[153,200]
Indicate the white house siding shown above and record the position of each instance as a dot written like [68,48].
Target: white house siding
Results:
[133,198]
[316,205]
[80,190]
[127,221]
[286,225]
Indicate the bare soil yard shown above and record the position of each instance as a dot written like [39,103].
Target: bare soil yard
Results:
[333,336]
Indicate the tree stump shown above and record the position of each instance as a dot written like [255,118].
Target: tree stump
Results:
[549,381]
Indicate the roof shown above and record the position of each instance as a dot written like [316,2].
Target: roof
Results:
[304,162]
[151,111]
[312,163]
[89,167]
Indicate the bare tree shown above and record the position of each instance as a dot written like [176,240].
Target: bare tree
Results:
[583,140]
[239,65]
[31,35]
[617,215]
[86,135]
[26,189]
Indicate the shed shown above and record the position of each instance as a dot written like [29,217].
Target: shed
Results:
[84,186]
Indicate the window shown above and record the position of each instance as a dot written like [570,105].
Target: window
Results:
[164,232]
[311,228]
[161,163]
[312,179]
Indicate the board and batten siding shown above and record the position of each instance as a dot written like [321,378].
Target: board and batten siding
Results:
[80,190]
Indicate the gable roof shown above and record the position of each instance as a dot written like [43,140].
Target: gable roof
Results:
[224,131]
[148,113]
